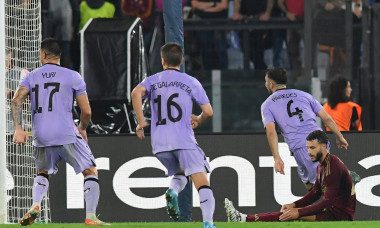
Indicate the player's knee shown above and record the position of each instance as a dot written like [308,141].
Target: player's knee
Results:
[90,171]
[309,186]
[43,174]
[204,187]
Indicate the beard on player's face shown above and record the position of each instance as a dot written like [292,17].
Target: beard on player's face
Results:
[269,90]
[317,157]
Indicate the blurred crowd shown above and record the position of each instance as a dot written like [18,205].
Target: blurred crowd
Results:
[211,49]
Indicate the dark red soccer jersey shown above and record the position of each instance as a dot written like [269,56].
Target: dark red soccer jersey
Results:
[334,183]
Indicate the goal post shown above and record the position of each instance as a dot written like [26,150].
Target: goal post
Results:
[20,38]
[3,122]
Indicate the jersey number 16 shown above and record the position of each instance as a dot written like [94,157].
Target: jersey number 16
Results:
[170,103]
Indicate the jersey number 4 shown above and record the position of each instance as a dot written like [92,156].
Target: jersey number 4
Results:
[170,103]
[298,111]
[35,90]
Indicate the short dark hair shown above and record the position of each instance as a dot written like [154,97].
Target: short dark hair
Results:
[51,47]
[336,92]
[278,75]
[319,135]
[172,54]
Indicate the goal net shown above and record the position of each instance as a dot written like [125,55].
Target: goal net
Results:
[22,41]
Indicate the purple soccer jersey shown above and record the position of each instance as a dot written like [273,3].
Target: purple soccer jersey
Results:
[172,94]
[52,89]
[294,112]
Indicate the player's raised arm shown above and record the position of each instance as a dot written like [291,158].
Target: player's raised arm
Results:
[137,95]
[206,115]
[16,106]
[330,123]
[85,114]
[273,144]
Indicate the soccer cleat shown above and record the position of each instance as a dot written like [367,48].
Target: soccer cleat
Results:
[355,177]
[95,222]
[208,225]
[233,215]
[30,216]
[172,204]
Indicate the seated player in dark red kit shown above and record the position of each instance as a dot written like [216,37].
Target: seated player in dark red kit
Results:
[333,183]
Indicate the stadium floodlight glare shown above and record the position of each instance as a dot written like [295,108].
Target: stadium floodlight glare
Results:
[20,37]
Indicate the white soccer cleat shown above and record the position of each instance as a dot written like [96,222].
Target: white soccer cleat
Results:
[233,215]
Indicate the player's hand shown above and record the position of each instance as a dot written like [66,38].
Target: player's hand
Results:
[140,129]
[279,166]
[287,207]
[83,133]
[289,214]
[20,137]
[194,121]
[341,142]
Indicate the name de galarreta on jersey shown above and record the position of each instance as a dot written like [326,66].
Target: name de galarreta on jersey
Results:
[166,84]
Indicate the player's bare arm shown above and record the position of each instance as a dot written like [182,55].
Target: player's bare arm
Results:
[137,95]
[16,106]
[206,115]
[273,144]
[85,115]
[330,123]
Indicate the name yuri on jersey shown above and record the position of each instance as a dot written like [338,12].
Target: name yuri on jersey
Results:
[180,85]
[287,95]
[49,75]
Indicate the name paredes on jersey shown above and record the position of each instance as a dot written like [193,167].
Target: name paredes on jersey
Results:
[178,84]
[286,95]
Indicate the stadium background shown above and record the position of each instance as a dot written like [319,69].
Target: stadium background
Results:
[236,95]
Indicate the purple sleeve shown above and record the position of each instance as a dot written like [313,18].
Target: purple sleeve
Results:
[25,81]
[146,84]
[79,86]
[315,105]
[199,94]
[266,115]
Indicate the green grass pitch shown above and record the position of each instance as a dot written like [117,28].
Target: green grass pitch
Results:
[362,224]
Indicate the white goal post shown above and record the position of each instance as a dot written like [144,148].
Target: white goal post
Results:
[20,38]
[3,121]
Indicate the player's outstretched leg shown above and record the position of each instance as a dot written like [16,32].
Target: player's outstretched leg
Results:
[30,216]
[233,215]
[40,187]
[177,184]
[208,225]
[91,195]
[172,204]
[207,201]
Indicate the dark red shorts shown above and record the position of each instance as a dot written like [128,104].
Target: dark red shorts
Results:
[329,216]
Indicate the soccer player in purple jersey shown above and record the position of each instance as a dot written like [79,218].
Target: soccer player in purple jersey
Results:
[295,113]
[172,94]
[55,137]
[334,184]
